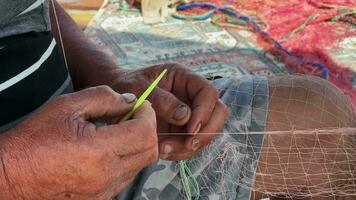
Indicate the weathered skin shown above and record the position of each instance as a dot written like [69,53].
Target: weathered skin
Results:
[59,154]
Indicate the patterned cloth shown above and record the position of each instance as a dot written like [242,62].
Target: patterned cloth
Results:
[226,168]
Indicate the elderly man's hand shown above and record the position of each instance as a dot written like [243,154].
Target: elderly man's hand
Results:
[59,153]
[185,103]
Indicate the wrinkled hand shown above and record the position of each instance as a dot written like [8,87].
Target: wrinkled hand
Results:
[185,103]
[59,154]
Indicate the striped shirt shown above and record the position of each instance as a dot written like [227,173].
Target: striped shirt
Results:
[23,16]
[32,71]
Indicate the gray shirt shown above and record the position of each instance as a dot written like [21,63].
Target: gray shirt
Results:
[22,16]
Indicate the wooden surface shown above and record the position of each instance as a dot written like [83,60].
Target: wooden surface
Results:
[81,4]
[82,11]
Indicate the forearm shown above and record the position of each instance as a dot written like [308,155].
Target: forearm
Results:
[4,184]
[6,190]
[78,50]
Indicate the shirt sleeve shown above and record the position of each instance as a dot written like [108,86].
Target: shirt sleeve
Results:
[11,9]
[21,16]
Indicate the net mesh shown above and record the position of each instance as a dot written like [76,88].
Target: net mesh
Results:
[292,165]
[307,164]
[294,142]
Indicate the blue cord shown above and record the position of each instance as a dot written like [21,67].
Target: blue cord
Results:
[321,67]
[196,5]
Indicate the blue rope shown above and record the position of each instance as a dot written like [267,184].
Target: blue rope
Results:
[202,17]
[196,5]
[321,67]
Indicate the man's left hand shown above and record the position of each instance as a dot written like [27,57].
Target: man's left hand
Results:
[188,108]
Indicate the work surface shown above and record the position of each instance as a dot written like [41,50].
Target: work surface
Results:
[217,52]
[201,46]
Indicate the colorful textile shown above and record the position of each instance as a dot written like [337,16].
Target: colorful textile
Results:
[322,31]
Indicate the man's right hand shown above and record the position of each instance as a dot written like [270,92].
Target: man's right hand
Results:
[59,154]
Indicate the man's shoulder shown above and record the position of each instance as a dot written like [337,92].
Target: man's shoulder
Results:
[20,16]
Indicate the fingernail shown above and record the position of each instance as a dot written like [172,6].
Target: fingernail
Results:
[195,144]
[180,113]
[167,149]
[197,128]
[129,97]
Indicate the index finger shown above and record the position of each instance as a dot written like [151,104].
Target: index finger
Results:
[204,97]
[133,136]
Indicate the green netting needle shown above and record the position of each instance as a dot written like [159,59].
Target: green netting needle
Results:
[144,96]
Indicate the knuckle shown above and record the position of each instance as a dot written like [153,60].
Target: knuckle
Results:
[156,97]
[162,99]
[106,92]
[104,89]
[77,127]
[84,130]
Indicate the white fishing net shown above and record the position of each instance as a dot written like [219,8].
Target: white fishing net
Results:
[299,144]
[308,163]
[294,165]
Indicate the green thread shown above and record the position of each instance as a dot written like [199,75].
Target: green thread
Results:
[314,17]
[124,6]
[231,22]
[337,18]
[237,21]
[299,28]
[189,182]
[215,20]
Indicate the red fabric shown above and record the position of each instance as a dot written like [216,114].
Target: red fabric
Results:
[313,43]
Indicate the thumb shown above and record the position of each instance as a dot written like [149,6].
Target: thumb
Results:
[101,101]
[169,107]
